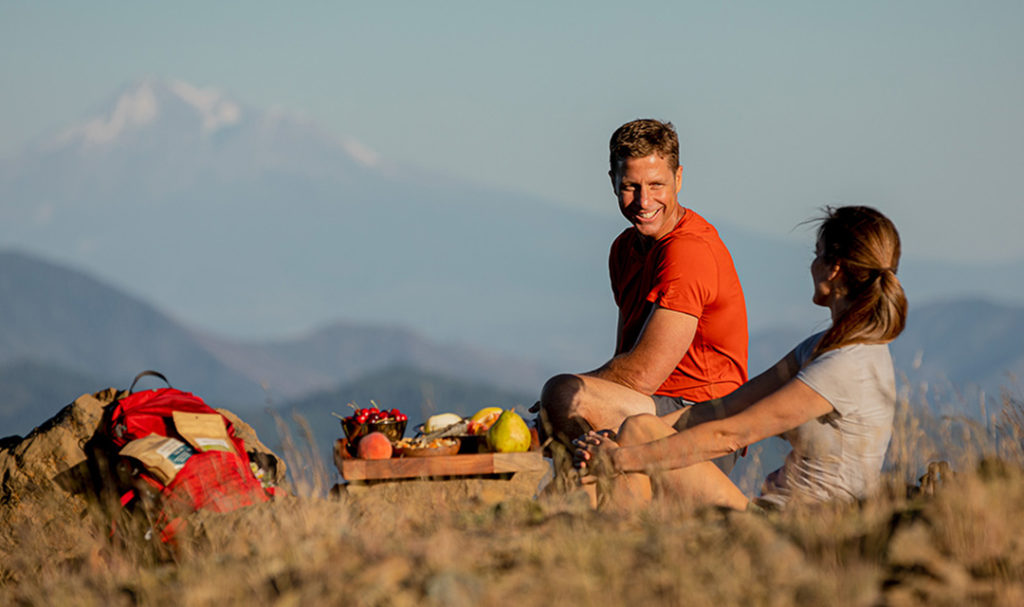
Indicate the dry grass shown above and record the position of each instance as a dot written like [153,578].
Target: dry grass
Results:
[489,542]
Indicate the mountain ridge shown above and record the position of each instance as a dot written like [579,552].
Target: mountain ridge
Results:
[90,335]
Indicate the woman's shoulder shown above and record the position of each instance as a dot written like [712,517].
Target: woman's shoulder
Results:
[804,349]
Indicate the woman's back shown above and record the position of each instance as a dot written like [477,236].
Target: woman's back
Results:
[839,455]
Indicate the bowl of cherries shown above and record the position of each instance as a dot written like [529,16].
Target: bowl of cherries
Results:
[371,419]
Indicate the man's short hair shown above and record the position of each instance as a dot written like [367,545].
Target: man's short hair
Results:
[641,138]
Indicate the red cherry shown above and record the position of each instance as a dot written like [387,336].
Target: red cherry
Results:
[395,413]
[401,417]
[361,418]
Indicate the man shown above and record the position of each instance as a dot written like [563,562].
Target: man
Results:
[682,329]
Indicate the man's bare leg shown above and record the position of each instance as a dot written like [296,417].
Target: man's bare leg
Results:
[572,405]
[575,404]
[699,484]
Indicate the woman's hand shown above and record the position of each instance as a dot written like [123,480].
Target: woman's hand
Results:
[593,453]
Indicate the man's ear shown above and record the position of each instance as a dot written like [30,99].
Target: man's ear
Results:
[615,185]
[679,178]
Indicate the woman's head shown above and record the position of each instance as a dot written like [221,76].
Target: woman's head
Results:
[859,250]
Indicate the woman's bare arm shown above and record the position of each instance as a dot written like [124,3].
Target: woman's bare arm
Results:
[746,395]
[784,409]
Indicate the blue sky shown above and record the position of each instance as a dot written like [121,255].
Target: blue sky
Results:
[916,107]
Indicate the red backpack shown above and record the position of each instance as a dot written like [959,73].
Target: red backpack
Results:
[216,477]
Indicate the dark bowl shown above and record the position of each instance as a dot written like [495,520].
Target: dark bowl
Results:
[394,430]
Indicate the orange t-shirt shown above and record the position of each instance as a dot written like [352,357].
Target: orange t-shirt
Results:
[688,270]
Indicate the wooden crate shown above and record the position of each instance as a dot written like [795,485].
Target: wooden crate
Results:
[472,464]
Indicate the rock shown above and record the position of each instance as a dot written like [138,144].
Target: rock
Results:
[52,457]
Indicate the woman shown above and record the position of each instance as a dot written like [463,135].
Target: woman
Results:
[832,397]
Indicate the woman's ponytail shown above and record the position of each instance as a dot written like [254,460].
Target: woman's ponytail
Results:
[865,245]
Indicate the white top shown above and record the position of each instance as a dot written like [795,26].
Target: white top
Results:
[839,455]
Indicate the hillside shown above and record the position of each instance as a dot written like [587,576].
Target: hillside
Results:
[491,542]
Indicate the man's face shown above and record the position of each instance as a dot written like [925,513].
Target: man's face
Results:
[647,189]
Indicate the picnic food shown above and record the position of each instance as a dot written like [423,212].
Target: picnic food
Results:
[509,434]
[374,445]
[371,419]
[483,419]
[373,414]
[418,447]
[440,422]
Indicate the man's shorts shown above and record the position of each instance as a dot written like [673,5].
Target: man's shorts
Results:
[663,405]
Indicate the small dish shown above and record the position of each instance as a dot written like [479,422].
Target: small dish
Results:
[393,429]
[441,446]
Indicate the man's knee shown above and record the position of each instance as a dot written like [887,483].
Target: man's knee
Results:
[560,407]
[561,392]
[642,428]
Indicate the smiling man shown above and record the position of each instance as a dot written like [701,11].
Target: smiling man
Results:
[682,330]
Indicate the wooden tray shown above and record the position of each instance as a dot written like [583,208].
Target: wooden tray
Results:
[353,469]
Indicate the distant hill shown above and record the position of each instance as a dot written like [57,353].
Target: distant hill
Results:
[343,351]
[63,333]
[963,347]
[415,392]
[952,350]
[66,318]
[32,392]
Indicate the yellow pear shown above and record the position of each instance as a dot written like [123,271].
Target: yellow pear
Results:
[509,434]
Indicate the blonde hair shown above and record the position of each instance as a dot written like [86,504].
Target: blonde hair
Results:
[865,245]
[641,138]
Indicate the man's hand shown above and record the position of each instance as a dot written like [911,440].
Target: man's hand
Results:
[662,344]
[593,453]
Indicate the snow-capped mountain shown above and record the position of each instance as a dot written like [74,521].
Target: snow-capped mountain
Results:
[261,223]
[149,101]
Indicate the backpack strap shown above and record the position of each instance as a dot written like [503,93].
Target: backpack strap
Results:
[145,373]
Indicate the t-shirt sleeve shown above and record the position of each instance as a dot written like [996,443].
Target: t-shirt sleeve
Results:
[615,269]
[836,376]
[686,277]
[804,349]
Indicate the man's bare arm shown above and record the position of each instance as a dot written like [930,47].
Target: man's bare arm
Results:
[662,343]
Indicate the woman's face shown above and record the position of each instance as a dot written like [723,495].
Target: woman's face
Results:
[824,276]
